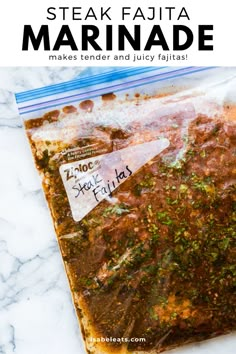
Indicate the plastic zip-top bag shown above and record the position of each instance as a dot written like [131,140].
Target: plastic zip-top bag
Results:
[138,167]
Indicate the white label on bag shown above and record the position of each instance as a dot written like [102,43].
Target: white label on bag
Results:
[88,182]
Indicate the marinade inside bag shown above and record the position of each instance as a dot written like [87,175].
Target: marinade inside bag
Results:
[156,264]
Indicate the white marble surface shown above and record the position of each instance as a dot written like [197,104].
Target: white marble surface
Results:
[36,311]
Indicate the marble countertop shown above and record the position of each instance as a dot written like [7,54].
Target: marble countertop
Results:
[36,311]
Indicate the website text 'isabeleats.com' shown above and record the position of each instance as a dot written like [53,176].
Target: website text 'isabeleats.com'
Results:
[116,340]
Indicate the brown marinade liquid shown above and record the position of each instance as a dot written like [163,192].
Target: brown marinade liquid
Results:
[160,263]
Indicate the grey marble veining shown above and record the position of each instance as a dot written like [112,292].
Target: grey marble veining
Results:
[36,311]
